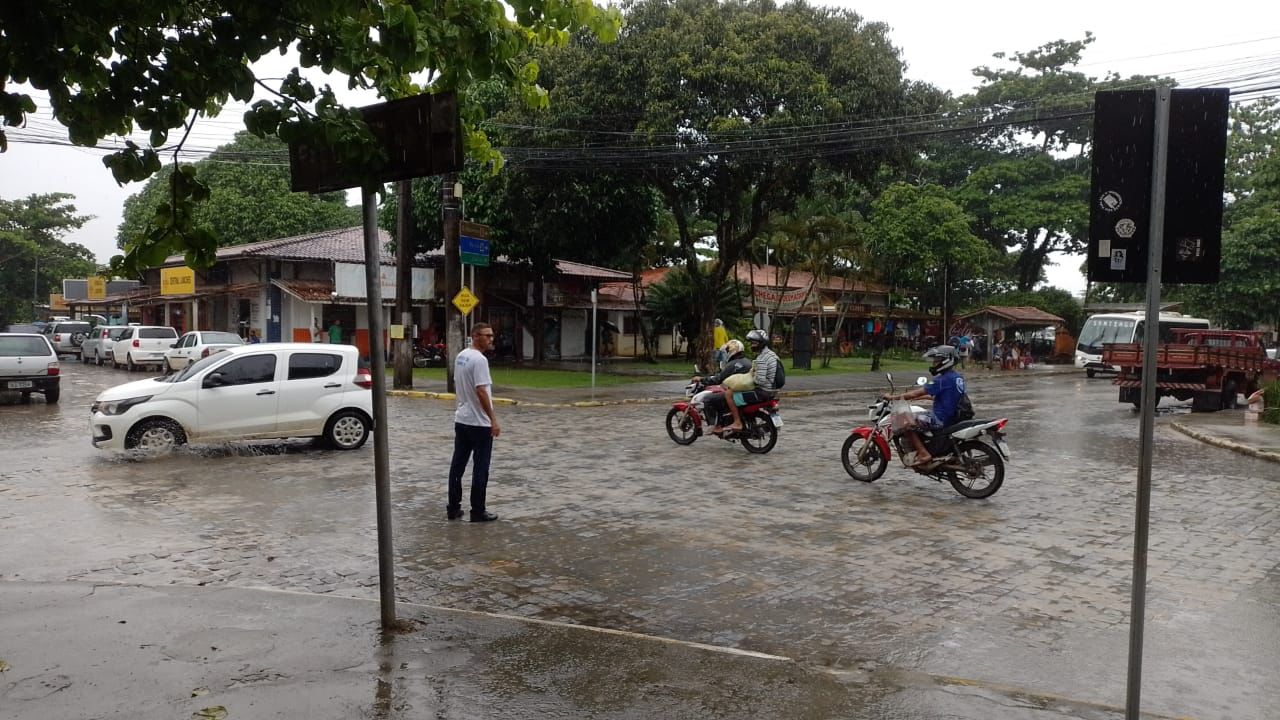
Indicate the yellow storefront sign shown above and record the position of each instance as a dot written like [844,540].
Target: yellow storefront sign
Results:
[97,287]
[465,301]
[177,281]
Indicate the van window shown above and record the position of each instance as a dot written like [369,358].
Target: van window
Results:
[313,365]
[157,333]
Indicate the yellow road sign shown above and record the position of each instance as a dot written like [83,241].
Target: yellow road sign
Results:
[465,301]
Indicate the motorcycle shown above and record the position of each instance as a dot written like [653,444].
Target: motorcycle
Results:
[687,418]
[428,354]
[969,454]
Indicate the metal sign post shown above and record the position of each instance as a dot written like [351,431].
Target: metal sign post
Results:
[400,127]
[378,369]
[1150,338]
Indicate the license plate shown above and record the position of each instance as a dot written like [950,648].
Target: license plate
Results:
[19,384]
[776,418]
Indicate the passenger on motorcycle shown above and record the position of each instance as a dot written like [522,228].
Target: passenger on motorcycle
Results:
[766,371]
[946,389]
[736,363]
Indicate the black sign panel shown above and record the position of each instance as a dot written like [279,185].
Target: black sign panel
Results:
[1193,191]
[1120,194]
[420,135]
[1120,191]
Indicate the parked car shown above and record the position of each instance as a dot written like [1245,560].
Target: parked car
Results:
[198,344]
[29,364]
[66,336]
[98,347]
[261,391]
[142,345]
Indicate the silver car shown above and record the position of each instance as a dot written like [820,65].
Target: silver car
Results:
[97,349]
[28,365]
[66,336]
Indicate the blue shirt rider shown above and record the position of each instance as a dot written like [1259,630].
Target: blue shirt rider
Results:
[946,389]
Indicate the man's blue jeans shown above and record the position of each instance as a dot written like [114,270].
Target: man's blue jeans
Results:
[469,440]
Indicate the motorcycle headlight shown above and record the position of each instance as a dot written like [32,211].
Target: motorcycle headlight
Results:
[118,407]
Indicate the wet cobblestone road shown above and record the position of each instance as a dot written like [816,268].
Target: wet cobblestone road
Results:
[606,522]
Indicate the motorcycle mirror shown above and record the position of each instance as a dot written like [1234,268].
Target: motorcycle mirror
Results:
[889,377]
[922,381]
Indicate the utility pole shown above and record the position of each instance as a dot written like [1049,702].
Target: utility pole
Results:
[404,285]
[452,218]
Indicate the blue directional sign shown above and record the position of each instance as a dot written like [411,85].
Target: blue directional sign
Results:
[474,246]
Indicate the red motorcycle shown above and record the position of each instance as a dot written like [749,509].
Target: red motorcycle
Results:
[687,418]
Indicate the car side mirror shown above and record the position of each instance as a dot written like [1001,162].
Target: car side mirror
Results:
[213,380]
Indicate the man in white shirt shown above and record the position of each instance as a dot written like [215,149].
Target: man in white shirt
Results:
[474,425]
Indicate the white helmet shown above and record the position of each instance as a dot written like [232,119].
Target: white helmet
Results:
[941,358]
[731,348]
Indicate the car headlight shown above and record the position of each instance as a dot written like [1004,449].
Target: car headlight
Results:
[118,407]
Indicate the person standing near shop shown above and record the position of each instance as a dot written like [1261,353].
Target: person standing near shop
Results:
[335,332]
[474,426]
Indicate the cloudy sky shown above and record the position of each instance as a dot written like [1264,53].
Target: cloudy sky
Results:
[1201,44]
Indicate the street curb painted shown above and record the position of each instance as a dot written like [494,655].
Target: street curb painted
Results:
[1226,444]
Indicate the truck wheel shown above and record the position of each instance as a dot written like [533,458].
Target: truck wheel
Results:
[1229,395]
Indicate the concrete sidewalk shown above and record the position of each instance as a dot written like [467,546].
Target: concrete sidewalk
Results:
[116,651]
[1233,430]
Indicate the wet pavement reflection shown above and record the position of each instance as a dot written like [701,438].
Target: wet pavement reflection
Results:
[606,522]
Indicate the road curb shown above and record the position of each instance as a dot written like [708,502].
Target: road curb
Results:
[424,394]
[1226,444]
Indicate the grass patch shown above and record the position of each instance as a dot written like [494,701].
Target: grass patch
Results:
[625,372]
[543,379]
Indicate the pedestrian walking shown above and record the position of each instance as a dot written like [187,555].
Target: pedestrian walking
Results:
[474,425]
[335,332]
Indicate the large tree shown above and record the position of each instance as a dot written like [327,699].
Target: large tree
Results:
[920,239]
[34,258]
[117,66]
[710,102]
[1026,171]
[249,198]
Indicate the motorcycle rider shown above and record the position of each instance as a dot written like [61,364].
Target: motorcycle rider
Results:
[946,389]
[766,371]
[737,362]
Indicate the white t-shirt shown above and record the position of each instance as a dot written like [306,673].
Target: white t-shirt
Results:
[470,371]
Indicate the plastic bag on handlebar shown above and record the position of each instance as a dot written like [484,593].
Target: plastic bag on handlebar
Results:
[900,416]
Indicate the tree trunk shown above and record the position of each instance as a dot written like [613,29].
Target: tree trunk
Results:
[403,378]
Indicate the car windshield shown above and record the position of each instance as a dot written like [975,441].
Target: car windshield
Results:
[220,338]
[157,333]
[195,368]
[23,346]
[115,333]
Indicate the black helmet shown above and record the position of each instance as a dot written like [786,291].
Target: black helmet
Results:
[941,358]
[757,337]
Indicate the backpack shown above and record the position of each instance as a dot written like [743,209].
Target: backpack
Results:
[964,408]
[780,377]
